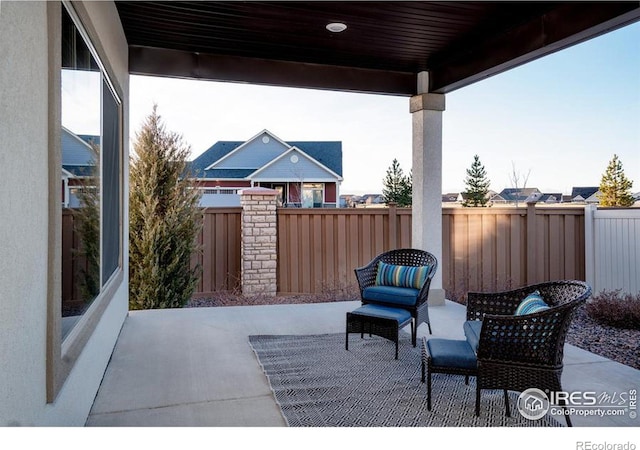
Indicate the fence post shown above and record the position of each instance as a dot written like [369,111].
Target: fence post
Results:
[589,245]
[532,243]
[259,253]
[393,226]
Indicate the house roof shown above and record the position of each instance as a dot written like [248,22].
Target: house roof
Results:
[327,153]
[384,48]
[551,197]
[513,194]
[78,157]
[450,197]
[584,192]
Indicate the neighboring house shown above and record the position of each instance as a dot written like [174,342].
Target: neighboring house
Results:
[585,195]
[452,197]
[78,161]
[552,198]
[372,200]
[349,200]
[463,196]
[306,174]
[515,195]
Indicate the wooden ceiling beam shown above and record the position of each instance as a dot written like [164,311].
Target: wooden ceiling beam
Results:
[184,64]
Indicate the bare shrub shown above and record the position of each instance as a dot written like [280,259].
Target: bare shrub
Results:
[329,292]
[616,309]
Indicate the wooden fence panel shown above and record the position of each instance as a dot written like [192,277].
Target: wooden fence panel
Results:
[483,248]
[318,249]
[219,254]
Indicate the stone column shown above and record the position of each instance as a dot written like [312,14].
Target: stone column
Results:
[259,253]
[426,110]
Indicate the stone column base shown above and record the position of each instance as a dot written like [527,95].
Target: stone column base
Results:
[436,297]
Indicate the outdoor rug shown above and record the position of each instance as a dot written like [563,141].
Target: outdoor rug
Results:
[317,383]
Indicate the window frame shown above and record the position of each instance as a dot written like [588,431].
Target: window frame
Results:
[62,354]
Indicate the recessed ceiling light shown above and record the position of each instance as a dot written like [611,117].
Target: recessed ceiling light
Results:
[336,27]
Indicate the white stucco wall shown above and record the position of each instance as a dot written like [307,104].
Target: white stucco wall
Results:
[24,223]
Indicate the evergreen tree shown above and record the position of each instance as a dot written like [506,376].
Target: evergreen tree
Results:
[396,186]
[164,220]
[87,225]
[477,184]
[615,188]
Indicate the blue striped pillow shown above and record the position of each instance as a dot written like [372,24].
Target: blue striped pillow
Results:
[532,303]
[401,276]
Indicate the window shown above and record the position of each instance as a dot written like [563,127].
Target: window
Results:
[91,198]
[81,168]
[312,195]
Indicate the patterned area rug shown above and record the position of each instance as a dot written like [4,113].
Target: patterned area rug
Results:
[317,383]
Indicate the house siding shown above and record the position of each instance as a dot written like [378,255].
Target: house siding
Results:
[303,170]
[330,191]
[30,270]
[254,154]
[224,183]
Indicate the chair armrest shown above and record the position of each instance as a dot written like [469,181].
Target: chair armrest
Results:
[366,275]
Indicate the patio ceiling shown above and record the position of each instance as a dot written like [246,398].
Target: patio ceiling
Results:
[383,49]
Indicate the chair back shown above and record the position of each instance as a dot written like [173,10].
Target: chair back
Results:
[536,339]
[556,293]
[409,257]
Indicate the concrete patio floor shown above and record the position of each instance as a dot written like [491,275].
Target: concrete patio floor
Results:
[194,367]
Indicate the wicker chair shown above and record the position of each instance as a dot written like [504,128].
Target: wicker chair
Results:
[366,277]
[526,351]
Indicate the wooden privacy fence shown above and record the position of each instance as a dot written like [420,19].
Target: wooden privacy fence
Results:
[72,260]
[489,249]
[219,255]
[484,249]
[319,248]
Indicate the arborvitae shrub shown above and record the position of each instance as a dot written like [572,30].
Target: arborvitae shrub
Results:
[164,220]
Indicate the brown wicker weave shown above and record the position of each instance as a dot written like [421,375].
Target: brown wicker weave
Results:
[521,352]
[366,277]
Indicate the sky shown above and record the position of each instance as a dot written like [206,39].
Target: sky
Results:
[559,119]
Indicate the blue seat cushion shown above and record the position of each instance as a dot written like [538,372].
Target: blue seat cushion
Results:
[384,312]
[391,294]
[451,353]
[472,333]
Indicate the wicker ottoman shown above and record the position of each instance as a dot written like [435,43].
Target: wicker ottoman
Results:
[381,321]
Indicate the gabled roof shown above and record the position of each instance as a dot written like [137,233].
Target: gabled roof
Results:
[327,153]
[451,197]
[295,149]
[78,157]
[513,194]
[246,143]
[551,197]
[214,153]
[584,192]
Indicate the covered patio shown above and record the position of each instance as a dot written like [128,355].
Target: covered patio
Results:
[196,367]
